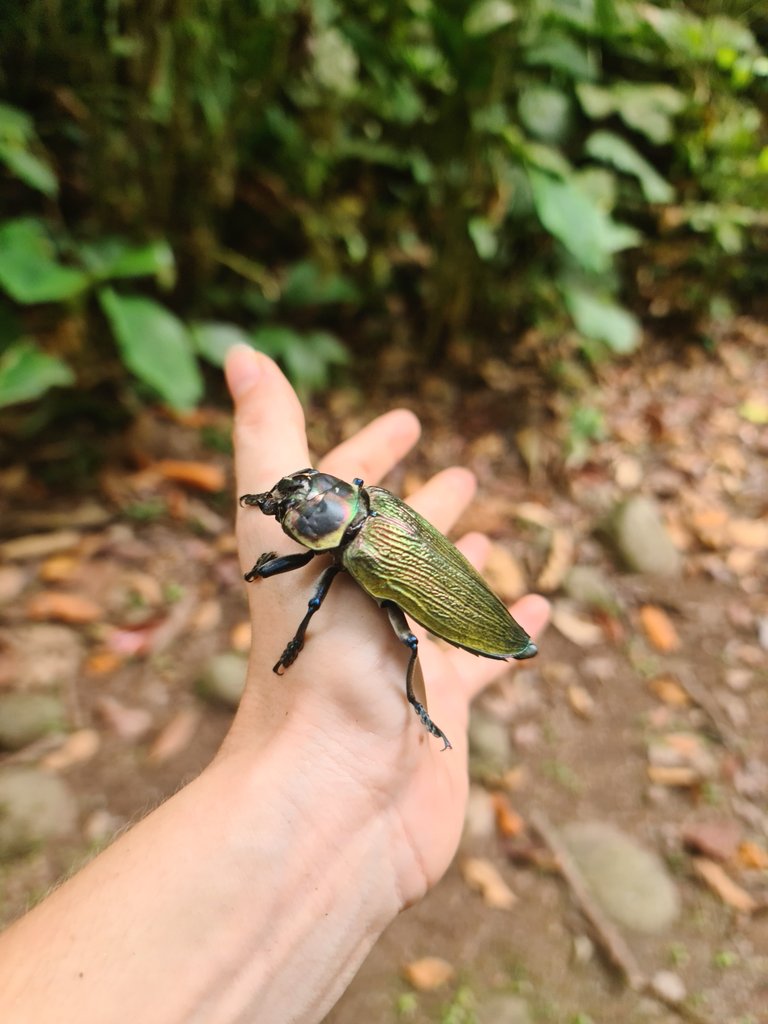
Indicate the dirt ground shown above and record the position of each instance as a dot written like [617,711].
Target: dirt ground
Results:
[652,721]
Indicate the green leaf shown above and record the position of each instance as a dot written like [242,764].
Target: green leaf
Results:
[335,62]
[488,16]
[482,233]
[111,258]
[307,285]
[17,136]
[155,346]
[213,340]
[307,357]
[545,112]
[29,271]
[616,151]
[30,169]
[26,373]
[589,234]
[600,318]
[561,52]
[649,108]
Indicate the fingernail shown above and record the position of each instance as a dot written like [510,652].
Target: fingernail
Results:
[243,368]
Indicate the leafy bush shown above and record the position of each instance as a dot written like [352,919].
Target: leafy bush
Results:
[482,166]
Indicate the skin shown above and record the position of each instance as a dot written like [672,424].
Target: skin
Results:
[256,891]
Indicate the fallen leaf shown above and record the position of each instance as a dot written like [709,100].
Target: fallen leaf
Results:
[753,856]
[504,573]
[508,822]
[58,568]
[559,561]
[664,775]
[202,475]
[480,874]
[749,533]
[240,636]
[38,545]
[61,606]
[99,663]
[428,973]
[13,579]
[581,701]
[128,723]
[175,736]
[717,838]
[77,748]
[668,688]
[538,515]
[579,631]
[728,891]
[659,629]
[207,616]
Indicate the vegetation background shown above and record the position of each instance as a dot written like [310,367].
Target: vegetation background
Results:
[329,179]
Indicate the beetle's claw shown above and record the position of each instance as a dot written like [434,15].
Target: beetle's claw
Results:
[289,655]
[430,726]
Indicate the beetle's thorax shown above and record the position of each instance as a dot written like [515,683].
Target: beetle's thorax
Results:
[314,508]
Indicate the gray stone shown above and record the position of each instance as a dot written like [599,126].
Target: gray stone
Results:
[479,818]
[223,679]
[25,717]
[504,1009]
[587,585]
[642,539]
[35,807]
[629,882]
[490,745]
[668,986]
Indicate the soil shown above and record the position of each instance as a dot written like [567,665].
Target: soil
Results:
[686,427]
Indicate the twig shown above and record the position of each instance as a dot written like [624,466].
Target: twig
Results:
[607,935]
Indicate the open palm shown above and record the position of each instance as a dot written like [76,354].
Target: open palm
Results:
[342,707]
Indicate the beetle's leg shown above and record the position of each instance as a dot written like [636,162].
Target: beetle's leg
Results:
[405,636]
[269,564]
[291,652]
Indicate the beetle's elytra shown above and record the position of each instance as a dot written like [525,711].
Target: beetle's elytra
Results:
[397,557]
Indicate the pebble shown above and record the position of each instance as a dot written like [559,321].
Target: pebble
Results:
[36,808]
[669,986]
[504,1009]
[479,817]
[223,679]
[642,538]
[490,745]
[629,882]
[26,717]
[588,587]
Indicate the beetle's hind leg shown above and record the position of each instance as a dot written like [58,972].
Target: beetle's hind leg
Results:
[294,646]
[405,636]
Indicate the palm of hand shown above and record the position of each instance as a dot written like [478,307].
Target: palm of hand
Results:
[343,703]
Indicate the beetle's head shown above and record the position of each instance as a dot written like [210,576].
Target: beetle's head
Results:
[312,507]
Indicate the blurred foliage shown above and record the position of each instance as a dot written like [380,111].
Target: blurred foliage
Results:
[187,173]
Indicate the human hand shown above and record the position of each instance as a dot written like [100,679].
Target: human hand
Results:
[340,710]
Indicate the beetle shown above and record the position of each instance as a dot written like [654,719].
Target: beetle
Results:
[397,557]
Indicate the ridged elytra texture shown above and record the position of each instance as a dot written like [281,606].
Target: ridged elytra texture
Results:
[399,556]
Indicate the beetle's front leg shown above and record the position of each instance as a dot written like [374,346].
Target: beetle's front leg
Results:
[270,564]
[405,636]
[291,652]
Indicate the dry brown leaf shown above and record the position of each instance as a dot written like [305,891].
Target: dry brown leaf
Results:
[728,891]
[240,637]
[749,533]
[579,631]
[202,475]
[428,973]
[508,822]
[559,561]
[751,855]
[480,874]
[100,662]
[39,545]
[716,838]
[581,701]
[673,775]
[128,723]
[504,573]
[175,736]
[659,629]
[533,512]
[667,688]
[58,568]
[60,606]
[77,748]
[207,617]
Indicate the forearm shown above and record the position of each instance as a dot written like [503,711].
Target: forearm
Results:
[230,902]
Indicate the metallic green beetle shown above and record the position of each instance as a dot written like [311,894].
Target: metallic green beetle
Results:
[397,557]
